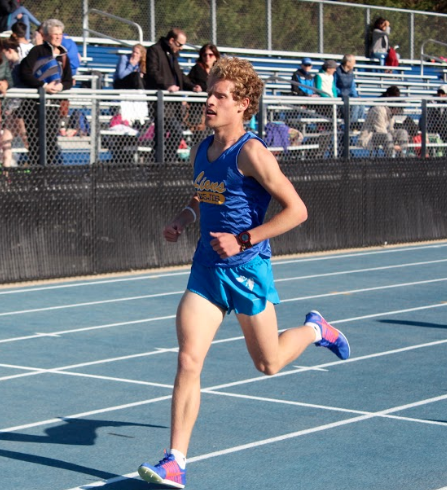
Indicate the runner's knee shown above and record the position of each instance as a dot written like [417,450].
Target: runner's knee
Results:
[265,367]
[189,363]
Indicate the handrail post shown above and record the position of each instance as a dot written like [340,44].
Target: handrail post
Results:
[42,131]
[84,28]
[347,124]
[213,15]
[268,20]
[424,129]
[260,115]
[160,128]
[320,28]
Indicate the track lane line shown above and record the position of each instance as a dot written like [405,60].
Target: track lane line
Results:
[301,298]
[180,273]
[271,440]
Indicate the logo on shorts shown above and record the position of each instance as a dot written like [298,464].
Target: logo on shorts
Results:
[247,281]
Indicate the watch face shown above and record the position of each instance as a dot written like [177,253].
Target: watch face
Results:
[245,237]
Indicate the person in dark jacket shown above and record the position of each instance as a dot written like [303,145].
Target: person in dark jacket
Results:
[195,113]
[437,116]
[208,55]
[13,124]
[47,66]
[11,12]
[163,72]
[345,85]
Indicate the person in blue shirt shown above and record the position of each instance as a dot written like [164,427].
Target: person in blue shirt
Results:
[234,177]
[73,53]
[131,69]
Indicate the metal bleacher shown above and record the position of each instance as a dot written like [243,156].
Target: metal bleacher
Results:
[371,79]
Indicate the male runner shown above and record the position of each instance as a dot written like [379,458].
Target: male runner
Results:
[235,177]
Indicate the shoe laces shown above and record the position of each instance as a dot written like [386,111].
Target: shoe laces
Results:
[166,459]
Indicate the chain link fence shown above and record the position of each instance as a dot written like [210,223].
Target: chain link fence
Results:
[284,25]
[89,126]
[62,221]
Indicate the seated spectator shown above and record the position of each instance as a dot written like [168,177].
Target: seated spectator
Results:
[13,124]
[208,55]
[324,79]
[345,85]
[324,83]
[11,12]
[302,79]
[378,128]
[131,69]
[380,43]
[5,74]
[38,36]
[194,118]
[437,116]
[19,36]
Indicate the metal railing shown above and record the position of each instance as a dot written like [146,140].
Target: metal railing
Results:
[426,56]
[112,127]
[87,30]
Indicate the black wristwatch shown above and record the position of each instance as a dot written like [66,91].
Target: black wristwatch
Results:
[244,240]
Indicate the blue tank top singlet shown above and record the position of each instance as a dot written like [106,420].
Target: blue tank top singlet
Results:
[229,203]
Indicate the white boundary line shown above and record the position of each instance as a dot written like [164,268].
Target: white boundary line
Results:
[301,298]
[91,303]
[85,329]
[227,385]
[357,271]
[156,275]
[231,339]
[273,440]
[365,290]
[38,335]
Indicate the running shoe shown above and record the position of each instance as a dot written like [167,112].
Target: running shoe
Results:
[166,472]
[332,338]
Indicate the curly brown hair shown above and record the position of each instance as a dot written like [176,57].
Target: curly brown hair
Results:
[247,83]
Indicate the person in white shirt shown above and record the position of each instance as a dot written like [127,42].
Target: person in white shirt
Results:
[19,35]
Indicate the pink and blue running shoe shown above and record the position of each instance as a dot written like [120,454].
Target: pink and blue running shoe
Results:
[166,472]
[332,338]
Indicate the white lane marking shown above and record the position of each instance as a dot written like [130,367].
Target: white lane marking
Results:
[181,273]
[366,290]
[91,303]
[272,440]
[358,271]
[86,329]
[231,339]
[301,298]
[249,380]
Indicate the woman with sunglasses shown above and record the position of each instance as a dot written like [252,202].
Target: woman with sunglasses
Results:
[208,55]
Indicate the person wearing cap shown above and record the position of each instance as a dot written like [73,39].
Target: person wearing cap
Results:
[437,116]
[303,80]
[324,79]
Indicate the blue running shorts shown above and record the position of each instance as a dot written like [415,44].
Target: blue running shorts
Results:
[244,289]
